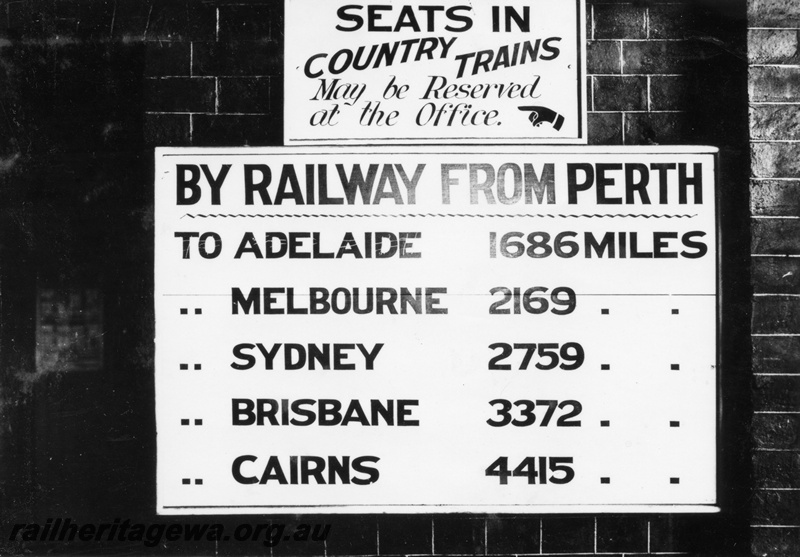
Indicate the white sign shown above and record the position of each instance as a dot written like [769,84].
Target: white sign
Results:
[434,72]
[458,330]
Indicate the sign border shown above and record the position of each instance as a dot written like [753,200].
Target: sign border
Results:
[581,110]
[473,510]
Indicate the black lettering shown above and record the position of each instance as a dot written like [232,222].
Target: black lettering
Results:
[236,469]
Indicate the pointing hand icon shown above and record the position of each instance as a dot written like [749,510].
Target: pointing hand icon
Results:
[541,114]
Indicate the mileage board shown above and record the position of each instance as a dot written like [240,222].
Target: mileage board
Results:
[454,330]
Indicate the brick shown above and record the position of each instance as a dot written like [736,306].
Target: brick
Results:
[167,59]
[656,128]
[776,355]
[276,95]
[670,21]
[308,548]
[68,9]
[458,536]
[664,533]
[776,508]
[130,19]
[678,533]
[29,20]
[179,94]
[775,236]
[563,535]
[776,393]
[587,23]
[772,46]
[775,197]
[776,431]
[619,21]
[774,83]
[653,57]
[249,547]
[668,92]
[250,23]
[404,535]
[776,275]
[247,95]
[770,122]
[94,19]
[776,469]
[775,542]
[166,130]
[603,57]
[226,130]
[773,13]
[620,93]
[180,21]
[621,534]
[356,535]
[512,536]
[605,129]
[238,59]
[775,160]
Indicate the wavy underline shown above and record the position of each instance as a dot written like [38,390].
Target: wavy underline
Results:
[435,215]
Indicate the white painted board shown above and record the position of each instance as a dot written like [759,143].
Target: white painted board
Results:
[574,290]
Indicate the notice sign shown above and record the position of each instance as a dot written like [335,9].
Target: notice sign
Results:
[434,72]
[451,331]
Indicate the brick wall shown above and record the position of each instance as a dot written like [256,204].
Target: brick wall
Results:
[125,76]
[774,89]
[638,82]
